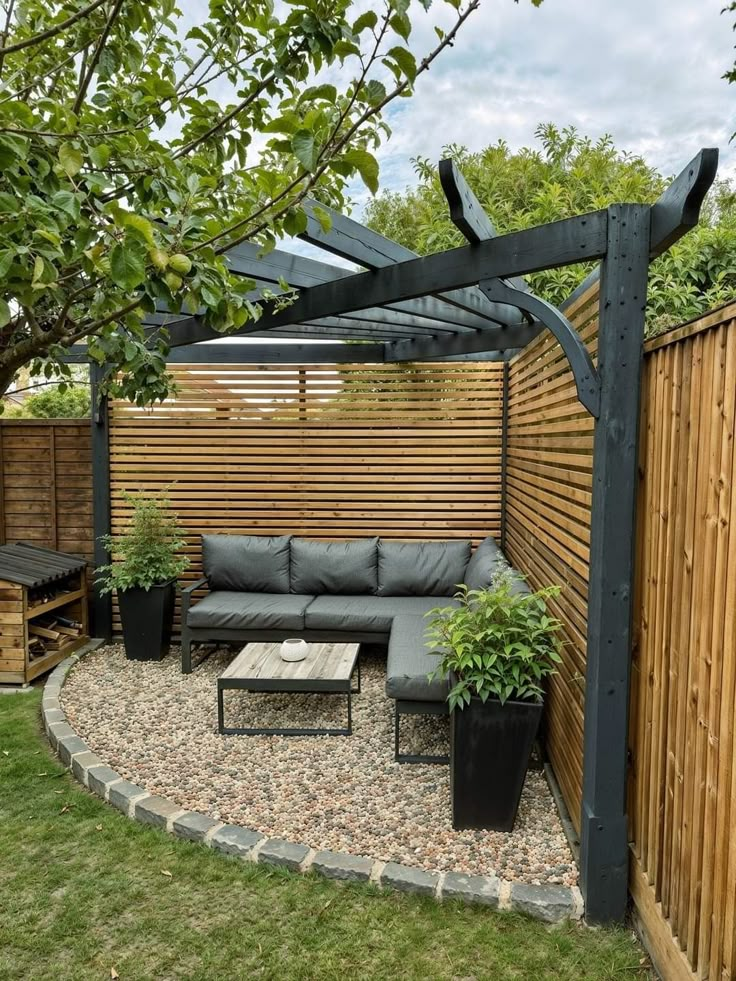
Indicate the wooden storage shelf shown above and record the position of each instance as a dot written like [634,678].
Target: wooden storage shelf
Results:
[26,571]
[38,609]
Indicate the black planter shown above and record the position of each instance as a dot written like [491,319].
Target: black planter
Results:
[147,615]
[490,746]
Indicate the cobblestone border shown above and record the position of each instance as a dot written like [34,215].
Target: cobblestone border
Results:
[550,903]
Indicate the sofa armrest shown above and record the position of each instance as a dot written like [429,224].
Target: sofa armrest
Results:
[187,595]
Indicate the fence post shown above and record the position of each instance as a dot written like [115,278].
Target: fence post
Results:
[604,835]
[504,450]
[101,605]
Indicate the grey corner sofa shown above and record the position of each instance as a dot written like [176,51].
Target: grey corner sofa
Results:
[369,590]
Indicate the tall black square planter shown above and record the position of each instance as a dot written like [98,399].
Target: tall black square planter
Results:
[490,745]
[147,616]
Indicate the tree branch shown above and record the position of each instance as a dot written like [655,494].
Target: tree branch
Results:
[51,31]
[81,94]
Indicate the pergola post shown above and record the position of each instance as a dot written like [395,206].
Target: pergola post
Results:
[604,837]
[101,605]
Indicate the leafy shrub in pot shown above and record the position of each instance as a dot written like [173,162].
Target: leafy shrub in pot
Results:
[145,567]
[497,648]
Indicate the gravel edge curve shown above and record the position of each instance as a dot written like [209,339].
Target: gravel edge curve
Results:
[549,903]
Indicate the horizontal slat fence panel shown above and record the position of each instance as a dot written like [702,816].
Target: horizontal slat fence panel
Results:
[46,483]
[548,496]
[402,451]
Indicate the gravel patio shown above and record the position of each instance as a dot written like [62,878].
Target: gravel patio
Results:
[158,728]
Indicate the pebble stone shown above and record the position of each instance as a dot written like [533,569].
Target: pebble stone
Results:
[157,729]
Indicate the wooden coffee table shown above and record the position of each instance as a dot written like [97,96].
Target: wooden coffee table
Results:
[326,670]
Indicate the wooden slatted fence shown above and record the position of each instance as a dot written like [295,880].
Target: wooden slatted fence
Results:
[46,483]
[683,708]
[683,704]
[320,451]
[548,495]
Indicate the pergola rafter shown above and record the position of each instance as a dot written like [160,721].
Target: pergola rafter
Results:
[472,301]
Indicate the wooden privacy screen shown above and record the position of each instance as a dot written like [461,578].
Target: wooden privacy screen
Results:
[683,705]
[548,494]
[322,451]
[682,795]
[46,484]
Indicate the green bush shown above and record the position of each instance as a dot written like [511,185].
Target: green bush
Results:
[146,554]
[497,643]
[54,403]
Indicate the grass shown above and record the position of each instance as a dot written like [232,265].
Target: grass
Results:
[86,893]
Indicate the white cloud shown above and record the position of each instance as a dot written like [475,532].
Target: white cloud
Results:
[646,71]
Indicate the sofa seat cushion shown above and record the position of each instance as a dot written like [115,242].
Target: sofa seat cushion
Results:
[371,614]
[409,663]
[249,611]
[421,568]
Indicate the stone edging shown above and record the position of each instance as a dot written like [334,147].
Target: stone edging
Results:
[551,903]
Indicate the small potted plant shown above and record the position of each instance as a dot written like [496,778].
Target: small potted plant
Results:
[497,648]
[144,573]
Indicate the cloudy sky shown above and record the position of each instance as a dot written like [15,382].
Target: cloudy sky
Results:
[646,71]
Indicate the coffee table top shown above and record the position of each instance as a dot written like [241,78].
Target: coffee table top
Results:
[261,666]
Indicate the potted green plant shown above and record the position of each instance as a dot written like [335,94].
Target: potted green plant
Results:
[497,648]
[145,567]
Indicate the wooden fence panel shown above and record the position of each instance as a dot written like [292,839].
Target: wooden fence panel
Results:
[46,483]
[319,451]
[682,778]
[683,702]
[548,497]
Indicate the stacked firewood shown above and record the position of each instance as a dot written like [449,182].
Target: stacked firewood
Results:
[50,633]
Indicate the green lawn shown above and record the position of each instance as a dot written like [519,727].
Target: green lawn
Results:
[86,893]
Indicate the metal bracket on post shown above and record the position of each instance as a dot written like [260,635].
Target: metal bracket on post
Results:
[587,382]
[604,837]
[101,605]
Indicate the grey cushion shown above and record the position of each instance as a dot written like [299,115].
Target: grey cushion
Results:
[483,564]
[250,563]
[421,568]
[250,611]
[334,567]
[409,663]
[373,614]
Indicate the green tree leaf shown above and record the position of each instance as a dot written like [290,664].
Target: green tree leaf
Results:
[366,165]
[70,158]
[127,266]
[302,143]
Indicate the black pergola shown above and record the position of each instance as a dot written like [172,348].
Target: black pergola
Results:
[471,302]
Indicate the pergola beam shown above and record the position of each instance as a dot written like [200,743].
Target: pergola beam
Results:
[559,244]
[351,240]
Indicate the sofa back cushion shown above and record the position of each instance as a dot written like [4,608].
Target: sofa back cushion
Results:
[247,563]
[421,568]
[483,564]
[349,568]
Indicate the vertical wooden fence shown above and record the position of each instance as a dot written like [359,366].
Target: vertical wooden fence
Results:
[683,779]
[683,704]
[46,483]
